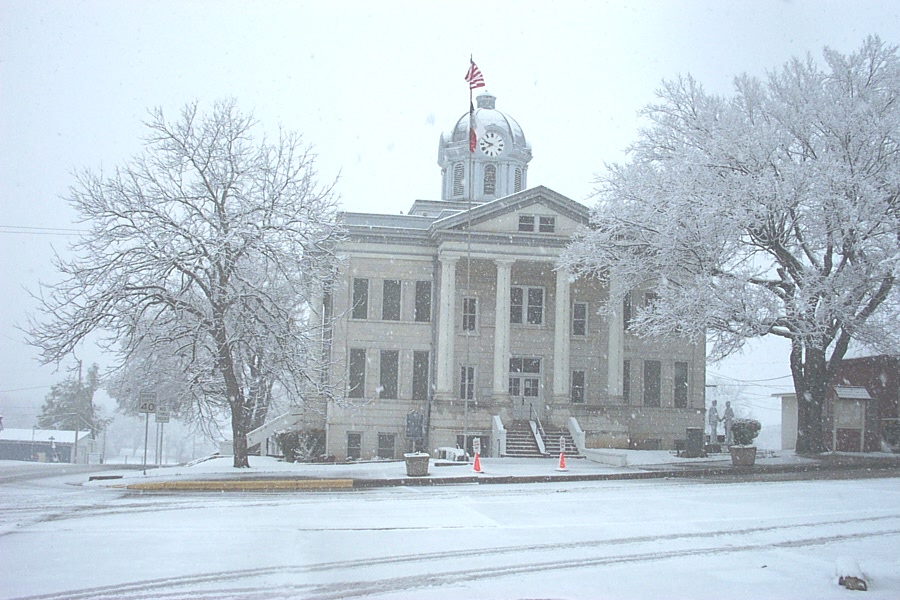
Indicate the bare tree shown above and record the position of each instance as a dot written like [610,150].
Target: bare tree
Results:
[206,249]
[772,212]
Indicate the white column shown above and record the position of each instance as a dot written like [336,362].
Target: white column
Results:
[446,325]
[561,335]
[615,352]
[501,329]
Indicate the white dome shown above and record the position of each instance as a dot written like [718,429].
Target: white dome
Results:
[487,116]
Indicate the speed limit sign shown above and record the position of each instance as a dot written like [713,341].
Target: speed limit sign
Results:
[147,402]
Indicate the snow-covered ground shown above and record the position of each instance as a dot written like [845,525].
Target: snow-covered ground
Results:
[221,467]
[601,539]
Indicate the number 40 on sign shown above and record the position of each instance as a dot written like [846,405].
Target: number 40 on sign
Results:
[147,402]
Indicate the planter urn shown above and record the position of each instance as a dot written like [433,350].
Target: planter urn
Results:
[417,464]
[743,456]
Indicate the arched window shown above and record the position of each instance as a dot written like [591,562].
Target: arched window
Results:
[458,180]
[518,182]
[490,179]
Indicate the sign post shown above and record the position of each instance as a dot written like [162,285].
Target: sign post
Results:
[146,405]
[162,417]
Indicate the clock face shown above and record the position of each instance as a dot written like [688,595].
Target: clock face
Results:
[491,144]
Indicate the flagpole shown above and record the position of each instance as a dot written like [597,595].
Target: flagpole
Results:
[475,80]
[469,258]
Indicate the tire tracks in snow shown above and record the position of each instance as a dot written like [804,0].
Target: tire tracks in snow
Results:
[186,587]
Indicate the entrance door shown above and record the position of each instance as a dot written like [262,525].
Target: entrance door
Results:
[525,388]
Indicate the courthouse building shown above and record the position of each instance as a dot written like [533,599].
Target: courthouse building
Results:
[453,323]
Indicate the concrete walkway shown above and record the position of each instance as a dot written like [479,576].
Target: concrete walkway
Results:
[269,474]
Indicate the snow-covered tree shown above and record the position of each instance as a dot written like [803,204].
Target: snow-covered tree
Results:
[70,403]
[205,249]
[772,211]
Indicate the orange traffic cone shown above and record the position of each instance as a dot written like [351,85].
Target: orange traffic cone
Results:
[477,466]
[562,462]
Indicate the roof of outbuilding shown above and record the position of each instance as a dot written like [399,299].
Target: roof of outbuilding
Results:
[851,392]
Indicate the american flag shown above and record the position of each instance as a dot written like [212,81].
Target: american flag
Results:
[474,76]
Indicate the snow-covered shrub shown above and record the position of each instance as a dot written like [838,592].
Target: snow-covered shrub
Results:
[301,446]
[288,441]
[745,431]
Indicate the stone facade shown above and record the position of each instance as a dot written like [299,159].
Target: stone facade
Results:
[457,312]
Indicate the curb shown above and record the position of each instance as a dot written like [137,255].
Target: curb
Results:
[244,485]
[281,484]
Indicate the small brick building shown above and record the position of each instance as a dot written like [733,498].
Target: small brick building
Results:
[862,413]
[880,376]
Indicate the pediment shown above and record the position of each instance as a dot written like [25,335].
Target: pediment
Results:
[502,216]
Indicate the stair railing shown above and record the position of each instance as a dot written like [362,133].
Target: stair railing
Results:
[538,429]
[534,417]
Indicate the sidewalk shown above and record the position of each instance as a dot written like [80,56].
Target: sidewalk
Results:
[270,474]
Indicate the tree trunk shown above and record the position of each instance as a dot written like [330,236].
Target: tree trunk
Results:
[808,368]
[239,430]
[237,401]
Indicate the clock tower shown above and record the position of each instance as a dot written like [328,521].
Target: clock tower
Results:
[499,165]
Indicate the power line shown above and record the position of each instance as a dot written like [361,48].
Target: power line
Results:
[714,374]
[38,387]
[21,229]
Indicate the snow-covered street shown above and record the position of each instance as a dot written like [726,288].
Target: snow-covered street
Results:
[605,539]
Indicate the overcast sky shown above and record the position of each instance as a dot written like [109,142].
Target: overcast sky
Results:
[371,86]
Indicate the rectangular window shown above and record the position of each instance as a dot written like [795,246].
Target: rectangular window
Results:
[547,224]
[386,445]
[626,311]
[390,362]
[354,446]
[579,318]
[527,302]
[515,305]
[626,381]
[524,365]
[421,362]
[652,369]
[467,383]
[357,373]
[650,299]
[535,306]
[360,308]
[423,301]
[577,387]
[470,314]
[526,223]
[522,380]
[681,385]
[390,300]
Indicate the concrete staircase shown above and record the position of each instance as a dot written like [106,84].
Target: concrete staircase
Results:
[520,442]
[551,442]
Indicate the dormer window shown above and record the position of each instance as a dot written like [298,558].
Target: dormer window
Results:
[490,180]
